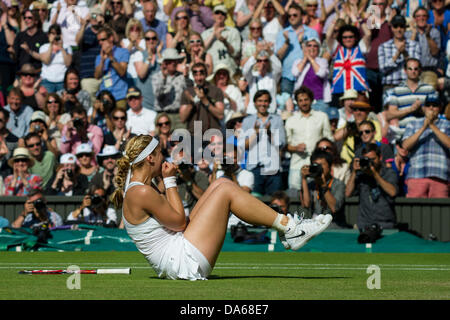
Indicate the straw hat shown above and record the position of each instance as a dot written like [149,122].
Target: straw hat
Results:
[27,68]
[234,117]
[21,153]
[221,66]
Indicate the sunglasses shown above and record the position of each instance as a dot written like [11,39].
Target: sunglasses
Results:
[313,45]
[28,17]
[413,69]
[295,15]
[182,17]
[160,124]
[220,12]
[262,60]
[255,28]
[325,148]
[348,37]
[151,38]
[81,155]
[198,72]
[119,118]
[102,39]
[34,145]
[135,29]
[195,41]
[20,160]
[312,5]
[28,75]
[52,101]
[359,109]
[365,132]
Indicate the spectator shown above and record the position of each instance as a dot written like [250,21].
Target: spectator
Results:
[401,166]
[149,21]
[288,45]
[439,17]
[38,124]
[56,57]
[163,133]
[56,117]
[312,19]
[349,64]
[249,44]
[13,16]
[147,64]
[376,37]
[100,113]
[33,93]
[8,142]
[321,192]
[393,53]
[407,98]
[44,160]
[242,84]
[234,123]
[349,134]
[89,49]
[263,131]
[42,9]
[179,37]
[312,71]
[86,161]
[345,110]
[197,52]
[280,202]
[67,14]
[7,63]
[68,181]
[117,134]
[339,168]
[94,209]
[21,182]
[428,141]
[168,85]
[429,40]
[223,43]
[273,17]
[230,5]
[27,43]
[111,67]
[262,72]
[19,114]
[134,42]
[333,117]
[199,13]
[203,102]
[36,212]
[117,14]
[232,95]
[140,120]
[366,130]
[303,130]
[78,131]
[376,187]
[107,171]
[72,91]
[243,16]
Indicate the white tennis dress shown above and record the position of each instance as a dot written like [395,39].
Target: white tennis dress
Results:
[169,253]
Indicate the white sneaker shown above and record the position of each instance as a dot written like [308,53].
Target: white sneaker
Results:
[300,230]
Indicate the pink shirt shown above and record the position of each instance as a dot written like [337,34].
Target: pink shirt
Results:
[95,136]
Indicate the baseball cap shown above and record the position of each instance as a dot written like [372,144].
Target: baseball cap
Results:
[38,116]
[133,92]
[83,148]
[220,8]
[68,158]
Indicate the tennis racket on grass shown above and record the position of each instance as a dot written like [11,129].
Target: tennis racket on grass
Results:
[92,271]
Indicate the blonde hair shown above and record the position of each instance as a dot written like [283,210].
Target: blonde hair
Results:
[131,23]
[133,148]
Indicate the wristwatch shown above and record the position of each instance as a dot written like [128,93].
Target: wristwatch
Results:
[189,184]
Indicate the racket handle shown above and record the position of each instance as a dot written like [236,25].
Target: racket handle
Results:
[114,271]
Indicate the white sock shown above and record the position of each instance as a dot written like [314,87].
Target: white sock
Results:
[277,223]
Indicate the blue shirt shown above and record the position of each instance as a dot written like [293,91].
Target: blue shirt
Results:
[19,123]
[90,48]
[429,157]
[111,80]
[295,50]
[158,26]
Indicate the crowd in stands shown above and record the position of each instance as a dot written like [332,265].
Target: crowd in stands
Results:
[326,99]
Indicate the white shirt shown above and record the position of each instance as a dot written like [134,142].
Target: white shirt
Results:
[142,122]
[244,177]
[54,72]
[69,22]
[307,130]
[271,29]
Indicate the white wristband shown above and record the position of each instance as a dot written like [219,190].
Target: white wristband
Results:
[170,182]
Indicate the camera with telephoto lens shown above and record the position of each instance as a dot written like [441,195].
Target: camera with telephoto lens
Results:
[42,232]
[78,123]
[96,201]
[69,173]
[370,234]
[40,207]
[365,162]
[315,170]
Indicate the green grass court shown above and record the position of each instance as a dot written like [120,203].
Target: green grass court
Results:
[237,276]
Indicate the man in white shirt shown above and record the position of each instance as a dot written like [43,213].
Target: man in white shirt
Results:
[303,130]
[139,119]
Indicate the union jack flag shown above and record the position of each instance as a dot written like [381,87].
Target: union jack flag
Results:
[349,70]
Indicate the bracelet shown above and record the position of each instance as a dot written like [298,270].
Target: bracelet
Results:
[170,182]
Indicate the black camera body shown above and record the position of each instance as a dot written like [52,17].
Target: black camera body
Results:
[39,204]
[70,174]
[42,232]
[370,234]
[365,162]
[78,123]
[96,201]
[315,170]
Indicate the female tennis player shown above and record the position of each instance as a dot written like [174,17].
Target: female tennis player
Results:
[181,248]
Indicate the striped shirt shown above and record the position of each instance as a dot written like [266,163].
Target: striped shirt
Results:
[429,158]
[426,59]
[393,71]
[403,97]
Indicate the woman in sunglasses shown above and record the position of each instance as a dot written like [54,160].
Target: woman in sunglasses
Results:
[133,41]
[339,169]
[197,52]
[179,39]
[255,36]
[163,133]
[100,113]
[57,117]
[118,133]
[86,161]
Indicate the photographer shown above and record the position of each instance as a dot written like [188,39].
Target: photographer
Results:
[94,210]
[376,186]
[36,212]
[68,181]
[321,192]
[100,114]
[78,131]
